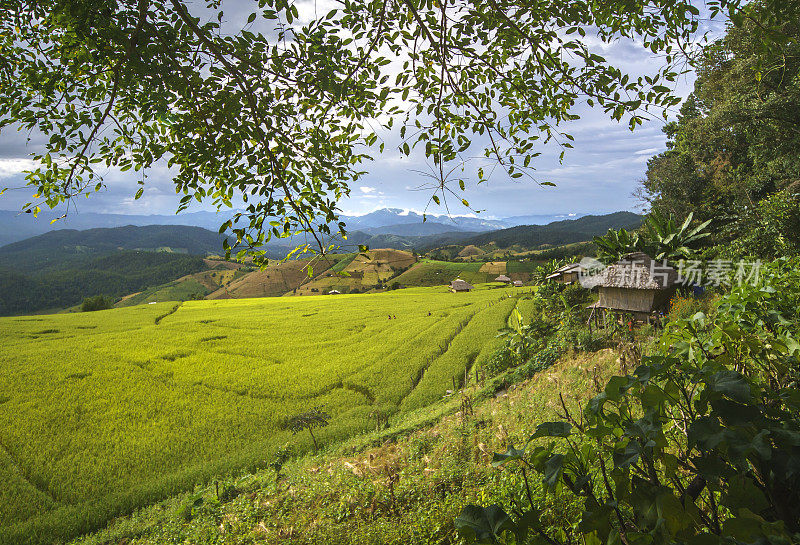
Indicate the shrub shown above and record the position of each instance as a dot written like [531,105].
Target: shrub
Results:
[544,358]
[500,360]
[98,302]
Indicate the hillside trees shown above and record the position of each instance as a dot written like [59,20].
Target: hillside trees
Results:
[735,142]
[282,114]
[115,275]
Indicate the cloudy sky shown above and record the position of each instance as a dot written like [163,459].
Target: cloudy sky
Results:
[597,176]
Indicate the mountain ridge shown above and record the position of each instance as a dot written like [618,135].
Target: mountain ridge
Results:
[16,226]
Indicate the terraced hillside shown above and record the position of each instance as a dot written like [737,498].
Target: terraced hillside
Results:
[361,272]
[429,272]
[104,412]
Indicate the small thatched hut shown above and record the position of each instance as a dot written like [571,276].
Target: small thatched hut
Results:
[460,285]
[502,278]
[517,283]
[635,284]
[566,274]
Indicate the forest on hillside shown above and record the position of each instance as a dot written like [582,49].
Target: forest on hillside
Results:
[114,275]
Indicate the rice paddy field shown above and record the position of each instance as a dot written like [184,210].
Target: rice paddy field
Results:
[429,272]
[105,412]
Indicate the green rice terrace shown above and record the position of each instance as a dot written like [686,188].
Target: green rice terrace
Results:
[104,412]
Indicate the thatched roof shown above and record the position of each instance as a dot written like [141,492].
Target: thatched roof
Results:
[334,292]
[569,268]
[502,278]
[460,285]
[518,283]
[635,271]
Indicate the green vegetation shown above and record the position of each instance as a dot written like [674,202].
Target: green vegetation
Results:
[558,232]
[732,153]
[661,237]
[696,442]
[145,109]
[429,272]
[98,302]
[115,275]
[107,411]
[344,262]
[178,290]
[402,484]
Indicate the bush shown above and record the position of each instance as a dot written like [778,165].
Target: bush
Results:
[544,358]
[98,302]
[500,360]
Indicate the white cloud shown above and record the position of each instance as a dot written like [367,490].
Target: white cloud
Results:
[15,166]
[367,189]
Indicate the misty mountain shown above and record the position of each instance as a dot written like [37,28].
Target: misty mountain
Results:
[558,232]
[15,226]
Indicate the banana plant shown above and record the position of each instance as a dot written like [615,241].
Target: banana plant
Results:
[540,274]
[615,244]
[671,242]
[661,239]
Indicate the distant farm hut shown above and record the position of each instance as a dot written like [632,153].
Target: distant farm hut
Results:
[566,274]
[634,285]
[334,292]
[502,278]
[460,285]
[517,283]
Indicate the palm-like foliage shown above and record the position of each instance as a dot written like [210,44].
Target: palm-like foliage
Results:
[670,242]
[661,238]
[615,244]
[540,274]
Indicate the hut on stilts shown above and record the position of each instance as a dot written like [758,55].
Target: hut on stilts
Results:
[636,286]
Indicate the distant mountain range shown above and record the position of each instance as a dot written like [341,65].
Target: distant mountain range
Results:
[15,226]
[62,248]
[58,268]
[558,232]
[69,247]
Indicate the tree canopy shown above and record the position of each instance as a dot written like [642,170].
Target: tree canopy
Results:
[735,142]
[284,114]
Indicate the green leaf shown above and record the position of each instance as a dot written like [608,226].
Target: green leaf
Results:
[552,429]
[552,469]
[509,455]
[731,384]
[627,455]
[616,387]
[483,525]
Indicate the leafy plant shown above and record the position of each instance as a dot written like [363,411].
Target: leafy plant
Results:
[669,242]
[700,444]
[166,83]
[662,239]
[98,302]
[615,244]
[540,273]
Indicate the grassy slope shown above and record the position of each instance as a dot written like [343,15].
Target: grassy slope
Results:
[362,272]
[275,280]
[103,412]
[429,272]
[436,459]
